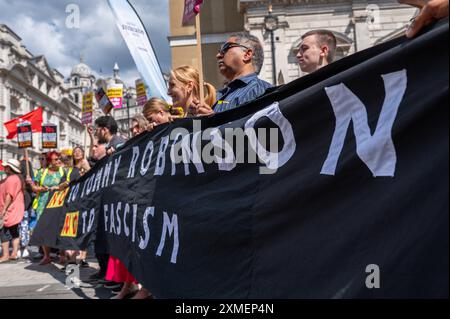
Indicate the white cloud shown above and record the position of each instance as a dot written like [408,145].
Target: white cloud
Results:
[41,25]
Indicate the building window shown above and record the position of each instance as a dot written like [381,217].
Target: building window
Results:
[76,98]
[15,108]
[76,82]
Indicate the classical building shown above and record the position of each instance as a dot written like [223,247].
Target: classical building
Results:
[130,107]
[357,24]
[28,82]
[218,19]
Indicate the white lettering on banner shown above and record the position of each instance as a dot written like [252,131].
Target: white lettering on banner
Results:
[119,224]
[229,162]
[105,215]
[106,174]
[125,213]
[98,180]
[83,217]
[91,220]
[143,243]
[112,226]
[132,168]
[141,233]
[90,186]
[377,151]
[133,235]
[176,146]
[161,159]
[73,193]
[273,160]
[170,226]
[116,167]
[147,153]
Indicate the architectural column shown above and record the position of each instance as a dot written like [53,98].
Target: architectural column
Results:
[360,20]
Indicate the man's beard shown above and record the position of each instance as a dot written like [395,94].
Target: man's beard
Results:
[102,140]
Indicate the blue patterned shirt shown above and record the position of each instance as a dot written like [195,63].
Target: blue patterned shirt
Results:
[239,92]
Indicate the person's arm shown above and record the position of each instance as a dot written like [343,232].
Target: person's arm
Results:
[8,202]
[34,187]
[85,165]
[430,11]
[92,140]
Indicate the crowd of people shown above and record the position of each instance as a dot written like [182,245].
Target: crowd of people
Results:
[24,192]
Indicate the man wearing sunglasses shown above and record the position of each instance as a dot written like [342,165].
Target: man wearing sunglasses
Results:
[240,60]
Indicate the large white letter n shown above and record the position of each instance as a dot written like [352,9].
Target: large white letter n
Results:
[377,151]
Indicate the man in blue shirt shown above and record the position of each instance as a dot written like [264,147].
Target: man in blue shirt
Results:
[240,61]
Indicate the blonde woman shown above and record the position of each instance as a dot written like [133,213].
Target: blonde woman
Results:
[184,88]
[158,112]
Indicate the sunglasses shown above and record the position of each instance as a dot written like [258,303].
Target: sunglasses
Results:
[228,45]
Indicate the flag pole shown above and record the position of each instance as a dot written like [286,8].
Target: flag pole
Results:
[85,139]
[199,58]
[26,163]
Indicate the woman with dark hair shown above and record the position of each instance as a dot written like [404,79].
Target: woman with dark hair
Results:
[12,207]
[48,180]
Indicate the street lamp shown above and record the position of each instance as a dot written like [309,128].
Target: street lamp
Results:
[271,24]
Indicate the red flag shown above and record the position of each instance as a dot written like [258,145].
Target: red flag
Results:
[191,9]
[34,117]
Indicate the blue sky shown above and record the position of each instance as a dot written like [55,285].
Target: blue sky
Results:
[42,26]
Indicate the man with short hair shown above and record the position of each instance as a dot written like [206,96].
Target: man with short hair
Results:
[240,61]
[106,131]
[317,49]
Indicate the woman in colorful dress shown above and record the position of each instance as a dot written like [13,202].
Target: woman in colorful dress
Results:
[48,180]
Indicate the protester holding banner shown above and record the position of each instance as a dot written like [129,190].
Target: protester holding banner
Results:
[12,207]
[106,132]
[157,112]
[47,180]
[80,161]
[184,89]
[98,152]
[317,49]
[30,181]
[240,61]
[117,272]
[139,124]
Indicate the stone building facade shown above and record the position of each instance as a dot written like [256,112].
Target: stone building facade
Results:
[28,82]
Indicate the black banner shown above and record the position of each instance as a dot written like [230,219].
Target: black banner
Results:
[332,186]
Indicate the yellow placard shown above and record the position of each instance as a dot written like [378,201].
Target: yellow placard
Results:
[88,102]
[57,199]
[70,228]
